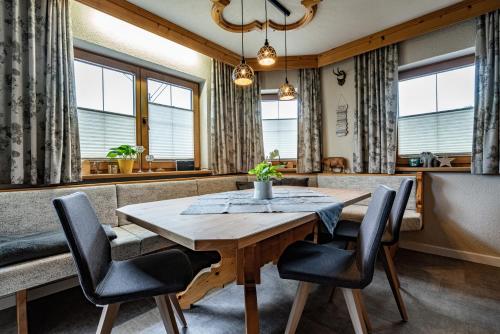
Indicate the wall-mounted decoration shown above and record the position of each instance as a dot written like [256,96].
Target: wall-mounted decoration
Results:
[341,128]
[340,76]
[310,6]
[334,164]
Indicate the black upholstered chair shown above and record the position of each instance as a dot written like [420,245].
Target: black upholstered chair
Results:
[348,231]
[350,270]
[108,283]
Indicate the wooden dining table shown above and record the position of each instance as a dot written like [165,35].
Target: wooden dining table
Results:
[245,241]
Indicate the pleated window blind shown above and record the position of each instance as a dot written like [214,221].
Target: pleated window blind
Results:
[436,113]
[106,108]
[171,121]
[279,125]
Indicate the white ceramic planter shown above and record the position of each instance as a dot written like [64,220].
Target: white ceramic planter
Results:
[263,190]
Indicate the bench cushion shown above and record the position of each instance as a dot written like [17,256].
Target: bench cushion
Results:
[41,271]
[311,182]
[367,182]
[150,241]
[295,181]
[412,221]
[153,191]
[219,184]
[15,249]
[31,211]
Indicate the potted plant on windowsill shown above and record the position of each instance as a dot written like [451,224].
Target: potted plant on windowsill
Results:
[264,173]
[125,155]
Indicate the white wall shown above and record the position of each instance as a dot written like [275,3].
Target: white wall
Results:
[461,211]
[102,33]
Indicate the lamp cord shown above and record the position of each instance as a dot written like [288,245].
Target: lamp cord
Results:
[242,48]
[286,55]
[265,7]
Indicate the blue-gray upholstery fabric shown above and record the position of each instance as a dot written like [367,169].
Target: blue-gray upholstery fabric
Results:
[145,276]
[16,249]
[326,264]
[105,281]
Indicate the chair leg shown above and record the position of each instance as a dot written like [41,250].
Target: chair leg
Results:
[22,313]
[392,276]
[167,314]
[177,309]
[352,300]
[359,297]
[297,307]
[108,316]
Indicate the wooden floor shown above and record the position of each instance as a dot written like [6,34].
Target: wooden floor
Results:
[442,295]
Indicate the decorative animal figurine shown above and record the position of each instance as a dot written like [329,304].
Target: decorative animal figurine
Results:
[426,158]
[332,163]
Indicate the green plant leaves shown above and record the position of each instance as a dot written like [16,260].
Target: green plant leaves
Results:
[122,152]
[265,171]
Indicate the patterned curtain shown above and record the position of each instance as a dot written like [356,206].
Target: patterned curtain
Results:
[309,122]
[39,141]
[486,138]
[375,117]
[237,143]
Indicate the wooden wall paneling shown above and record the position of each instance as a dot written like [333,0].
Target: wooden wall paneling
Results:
[137,16]
[445,17]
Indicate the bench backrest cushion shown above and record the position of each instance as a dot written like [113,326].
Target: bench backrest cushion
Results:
[312,182]
[135,193]
[211,185]
[31,211]
[367,182]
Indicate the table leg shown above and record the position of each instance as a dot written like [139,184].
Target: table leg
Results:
[248,275]
[215,277]
[251,309]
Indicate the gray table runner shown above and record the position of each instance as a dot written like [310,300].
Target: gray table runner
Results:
[284,200]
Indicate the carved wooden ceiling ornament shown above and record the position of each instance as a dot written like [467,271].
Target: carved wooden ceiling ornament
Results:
[310,6]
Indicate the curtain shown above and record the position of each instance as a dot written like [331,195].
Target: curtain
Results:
[237,143]
[375,117]
[39,141]
[486,137]
[309,122]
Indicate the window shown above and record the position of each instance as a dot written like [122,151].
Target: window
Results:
[106,108]
[279,125]
[119,103]
[436,112]
[171,121]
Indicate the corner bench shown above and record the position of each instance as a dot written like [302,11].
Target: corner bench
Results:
[30,211]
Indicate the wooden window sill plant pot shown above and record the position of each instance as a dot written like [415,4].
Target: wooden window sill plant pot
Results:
[125,155]
[263,185]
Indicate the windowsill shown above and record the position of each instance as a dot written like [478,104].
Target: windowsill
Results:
[186,173]
[433,169]
[287,170]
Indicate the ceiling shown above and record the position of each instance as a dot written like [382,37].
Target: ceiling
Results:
[336,22]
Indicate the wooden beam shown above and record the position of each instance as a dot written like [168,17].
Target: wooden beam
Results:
[439,19]
[436,20]
[294,62]
[141,18]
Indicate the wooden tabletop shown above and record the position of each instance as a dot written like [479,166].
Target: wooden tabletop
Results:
[212,231]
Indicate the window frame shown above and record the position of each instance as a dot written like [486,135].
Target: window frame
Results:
[274,97]
[461,160]
[141,75]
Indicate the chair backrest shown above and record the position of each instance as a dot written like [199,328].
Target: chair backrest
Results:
[398,209]
[371,230]
[86,239]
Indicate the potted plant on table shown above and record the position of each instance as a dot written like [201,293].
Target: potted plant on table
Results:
[264,173]
[125,155]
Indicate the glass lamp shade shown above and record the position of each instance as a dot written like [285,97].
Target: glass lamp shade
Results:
[243,74]
[287,92]
[266,55]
